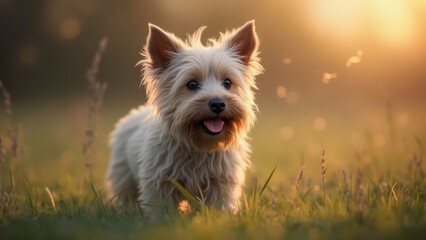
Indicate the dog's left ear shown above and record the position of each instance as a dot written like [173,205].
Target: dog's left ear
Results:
[244,42]
[161,46]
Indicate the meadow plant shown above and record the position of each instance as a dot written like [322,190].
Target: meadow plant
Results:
[346,189]
[386,206]
[297,186]
[97,90]
[323,173]
[12,131]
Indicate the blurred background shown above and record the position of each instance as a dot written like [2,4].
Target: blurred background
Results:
[347,76]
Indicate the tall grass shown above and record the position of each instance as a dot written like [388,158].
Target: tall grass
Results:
[97,90]
[323,173]
[9,142]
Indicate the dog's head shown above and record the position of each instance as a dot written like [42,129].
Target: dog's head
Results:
[203,94]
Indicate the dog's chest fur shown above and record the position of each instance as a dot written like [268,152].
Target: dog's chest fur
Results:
[168,159]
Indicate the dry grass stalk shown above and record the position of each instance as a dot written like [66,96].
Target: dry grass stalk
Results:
[323,171]
[12,135]
[8,202]
[419,174]
[52,200]
[361,195]
[361,200]
[358,181]
[395,197]
[2,159]
[2,152]
[298,183]
[7,102]
[346,189]
[96,93]
[12,129]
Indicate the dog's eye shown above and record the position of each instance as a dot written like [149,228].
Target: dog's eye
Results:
[227,83]
[193,85]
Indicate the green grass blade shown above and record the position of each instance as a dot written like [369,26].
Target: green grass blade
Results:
[187,195]
[254,194]
[29,194]
[419,143]
[306,194]
[267,181]
[98,197]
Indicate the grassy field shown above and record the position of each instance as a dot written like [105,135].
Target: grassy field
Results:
[46,191]
[343,182]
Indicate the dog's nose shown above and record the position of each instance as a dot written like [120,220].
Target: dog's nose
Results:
[217,105]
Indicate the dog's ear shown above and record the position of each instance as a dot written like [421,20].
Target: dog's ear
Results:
[161,46]
[244,42]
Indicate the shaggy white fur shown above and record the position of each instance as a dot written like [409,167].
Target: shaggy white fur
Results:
[194,127]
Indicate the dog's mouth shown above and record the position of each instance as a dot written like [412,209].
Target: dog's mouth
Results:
[212,126]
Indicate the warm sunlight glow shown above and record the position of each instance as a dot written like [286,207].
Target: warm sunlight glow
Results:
[336,18]
[390,22]
[394,21]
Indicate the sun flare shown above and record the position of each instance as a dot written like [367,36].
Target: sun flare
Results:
[389,22]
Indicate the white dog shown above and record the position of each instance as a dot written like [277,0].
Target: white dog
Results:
[194,127]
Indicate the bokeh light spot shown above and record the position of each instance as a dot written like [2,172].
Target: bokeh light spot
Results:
[286,61]
[317,188]
[320,124]
[70,28]
[281,92]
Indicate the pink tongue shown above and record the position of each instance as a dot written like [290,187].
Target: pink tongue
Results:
[214,125]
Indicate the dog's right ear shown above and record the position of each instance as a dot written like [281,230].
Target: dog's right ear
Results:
[161,46]
[245,42]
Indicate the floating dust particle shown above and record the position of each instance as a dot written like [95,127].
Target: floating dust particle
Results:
[355,59]
[327,77]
